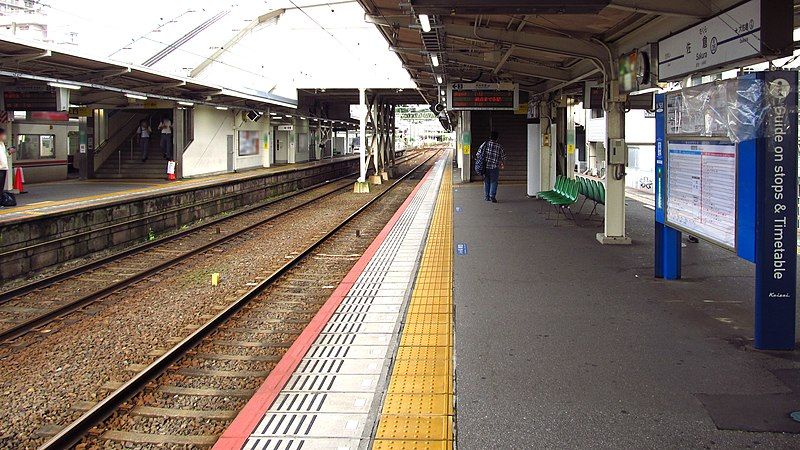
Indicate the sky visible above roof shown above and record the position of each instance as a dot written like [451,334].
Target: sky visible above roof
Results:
[312,44]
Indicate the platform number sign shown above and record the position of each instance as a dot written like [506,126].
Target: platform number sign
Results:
[461,249]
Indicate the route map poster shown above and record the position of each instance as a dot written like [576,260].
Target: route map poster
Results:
[701,189]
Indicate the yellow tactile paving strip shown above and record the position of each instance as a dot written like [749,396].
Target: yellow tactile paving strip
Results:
[418,409]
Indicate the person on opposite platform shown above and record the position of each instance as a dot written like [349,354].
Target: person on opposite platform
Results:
[165,127]
[143,134]
[4,162]
[491,157]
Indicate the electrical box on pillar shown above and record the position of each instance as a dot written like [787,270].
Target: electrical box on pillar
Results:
[618,152]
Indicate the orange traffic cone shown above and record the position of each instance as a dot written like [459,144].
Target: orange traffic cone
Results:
[19,180]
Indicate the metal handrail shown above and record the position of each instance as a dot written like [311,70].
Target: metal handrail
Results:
[102,146]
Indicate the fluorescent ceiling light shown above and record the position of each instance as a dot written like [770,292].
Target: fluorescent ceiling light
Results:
[278,117]
[136,96]
[439,79]
[425,22]
[185,103]
[63,85]
[272,114]
[222,108]
[288,115]
[435,60]
[442,92]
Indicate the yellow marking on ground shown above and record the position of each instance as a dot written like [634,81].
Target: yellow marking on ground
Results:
[75,200]
[148,186]
[418,410]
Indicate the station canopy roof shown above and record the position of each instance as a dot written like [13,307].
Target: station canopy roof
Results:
[27,65]
[542,45]
[351,96]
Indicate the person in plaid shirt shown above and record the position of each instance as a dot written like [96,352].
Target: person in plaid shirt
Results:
[493,156]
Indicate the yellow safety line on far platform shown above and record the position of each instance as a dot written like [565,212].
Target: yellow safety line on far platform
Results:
[418,409]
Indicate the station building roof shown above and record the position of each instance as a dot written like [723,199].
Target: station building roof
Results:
[104,83]
[351,96]
[543,45]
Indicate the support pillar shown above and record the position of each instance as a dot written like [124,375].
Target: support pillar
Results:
[361,184]
[534,159]
[466,146]
[570,136]
[318,144]
[85,147]
[393,123]
[547,154]
[179,134]
[615,178]
[458,152]
[374,143]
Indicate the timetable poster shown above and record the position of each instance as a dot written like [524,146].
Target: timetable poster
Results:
[701,189]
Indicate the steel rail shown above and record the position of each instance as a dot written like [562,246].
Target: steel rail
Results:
[42,319]
[52,279]
[75,431]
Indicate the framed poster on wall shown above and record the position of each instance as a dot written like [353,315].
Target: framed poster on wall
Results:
[249,142]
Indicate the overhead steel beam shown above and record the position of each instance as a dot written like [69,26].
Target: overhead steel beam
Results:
[25,57]
[510,50]
[103,74]
[235,40]
[692,8]
[547,43]
[529,70]
[508,6]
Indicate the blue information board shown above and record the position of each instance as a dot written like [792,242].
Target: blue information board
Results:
[764,183]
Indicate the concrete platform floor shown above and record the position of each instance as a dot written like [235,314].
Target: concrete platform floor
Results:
[40,194]
[564,343]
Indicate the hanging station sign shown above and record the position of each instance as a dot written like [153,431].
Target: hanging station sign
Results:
[482,96]
[30,100]
[751,32]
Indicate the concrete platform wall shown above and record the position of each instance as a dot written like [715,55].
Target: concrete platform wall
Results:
[32,244]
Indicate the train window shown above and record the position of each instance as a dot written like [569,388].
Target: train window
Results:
[36,146]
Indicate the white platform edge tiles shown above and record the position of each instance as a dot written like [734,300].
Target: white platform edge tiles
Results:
[333,398]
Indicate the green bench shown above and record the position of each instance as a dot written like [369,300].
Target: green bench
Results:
[563,195]
[593,190]
[566,192]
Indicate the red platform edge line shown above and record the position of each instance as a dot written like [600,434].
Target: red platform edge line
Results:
[249,417]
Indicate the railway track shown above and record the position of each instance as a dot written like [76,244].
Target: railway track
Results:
[36,304]
[165,214]
[188,395]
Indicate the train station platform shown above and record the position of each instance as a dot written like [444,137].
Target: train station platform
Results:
[64,196]
[564,343]
[481,325]
[83,219]
[374,367]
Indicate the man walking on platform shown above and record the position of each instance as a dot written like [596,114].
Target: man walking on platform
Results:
[491,157]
